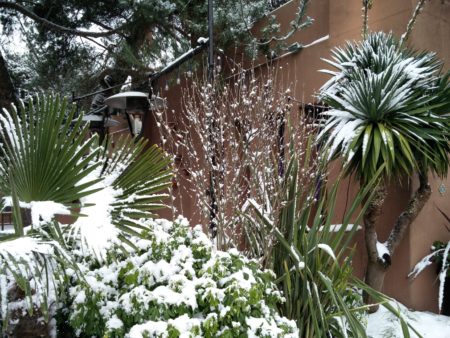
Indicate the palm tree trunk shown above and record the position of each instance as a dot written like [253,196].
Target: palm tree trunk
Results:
[375,270]
[415,205]
[377,265]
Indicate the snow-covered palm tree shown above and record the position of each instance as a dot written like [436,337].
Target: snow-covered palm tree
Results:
[389,112]
[50,165]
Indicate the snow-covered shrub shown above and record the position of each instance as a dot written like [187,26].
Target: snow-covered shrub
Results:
[50,166]
[175,285]
[232,137]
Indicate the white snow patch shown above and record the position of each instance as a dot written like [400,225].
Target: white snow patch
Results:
[338,227]
[46,210]
[327,249]
[151,328]
[21,247]
[443,275]
[382,250]
[383,324]
[315,42]
[97,231]
[114,323]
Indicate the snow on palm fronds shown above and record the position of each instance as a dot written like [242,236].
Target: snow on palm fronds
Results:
[44,153]
[51,166]
[133,180]
[389,105]
[36,265]
[48,159]
[439,255]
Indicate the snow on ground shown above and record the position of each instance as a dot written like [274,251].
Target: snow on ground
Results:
[384,324]
[7,229]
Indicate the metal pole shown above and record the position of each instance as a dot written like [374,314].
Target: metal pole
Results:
[211,41]
[211,128]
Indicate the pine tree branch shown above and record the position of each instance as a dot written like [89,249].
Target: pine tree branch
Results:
[51,25]
[100,24]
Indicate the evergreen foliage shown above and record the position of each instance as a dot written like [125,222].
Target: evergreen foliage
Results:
[51,166]
[132,36]
[174,285]
[390,107]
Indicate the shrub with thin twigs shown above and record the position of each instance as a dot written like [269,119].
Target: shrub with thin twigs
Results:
[229,135]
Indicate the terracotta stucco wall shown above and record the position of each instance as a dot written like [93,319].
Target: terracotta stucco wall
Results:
[341,21]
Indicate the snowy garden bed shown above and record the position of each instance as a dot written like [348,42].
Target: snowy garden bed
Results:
[175,284]
[383,324]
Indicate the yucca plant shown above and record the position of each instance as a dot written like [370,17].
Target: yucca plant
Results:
[312,256]
[50,165]
[389,111]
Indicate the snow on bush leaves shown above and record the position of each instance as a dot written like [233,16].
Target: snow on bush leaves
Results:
[175,285]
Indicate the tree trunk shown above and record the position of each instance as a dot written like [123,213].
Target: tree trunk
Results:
[8,93]
[415,205]
[378,264]
[375,279]
[375,270]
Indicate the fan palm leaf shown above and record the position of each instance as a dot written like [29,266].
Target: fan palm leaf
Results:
[49,159]
[44,153]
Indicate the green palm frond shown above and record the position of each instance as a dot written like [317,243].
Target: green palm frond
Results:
[142,177]
[37,265]
[48,157]
[377,53]
[389,105]
[44,153]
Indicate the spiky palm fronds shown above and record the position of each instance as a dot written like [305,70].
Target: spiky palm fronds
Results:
[134,181]
[45,154]
[390,105]
[311,256]
[32,269]
[376,54]
[141,176]
[48,156]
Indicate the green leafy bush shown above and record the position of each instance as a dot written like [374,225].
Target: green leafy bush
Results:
[50,166]
[175,283]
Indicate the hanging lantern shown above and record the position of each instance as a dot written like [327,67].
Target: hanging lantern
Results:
[136,106]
